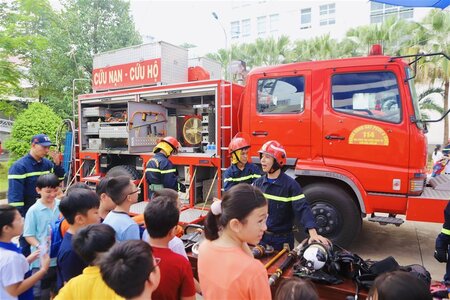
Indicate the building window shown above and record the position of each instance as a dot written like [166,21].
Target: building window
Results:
[305,18]
[327,14]
[261,25]
[274,22]
[246,29]
[235,30]
[379,12]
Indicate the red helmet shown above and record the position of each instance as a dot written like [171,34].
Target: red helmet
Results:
[172,142]
[276,150]
[237,143]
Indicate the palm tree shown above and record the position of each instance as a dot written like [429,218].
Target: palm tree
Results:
[427,103]
[318,48]
[394,34]
[434,37]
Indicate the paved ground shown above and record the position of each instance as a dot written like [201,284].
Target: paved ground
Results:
[411,243]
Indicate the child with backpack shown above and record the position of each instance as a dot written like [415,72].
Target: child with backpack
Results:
[79,208]
[37,230]
[226,266]
[13,265]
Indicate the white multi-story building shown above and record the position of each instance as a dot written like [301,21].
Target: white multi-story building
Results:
[250,20]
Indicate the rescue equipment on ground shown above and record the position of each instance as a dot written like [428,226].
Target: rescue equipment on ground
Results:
[292,256]
[193,234]
[262,250]
[276,257]
[316,256]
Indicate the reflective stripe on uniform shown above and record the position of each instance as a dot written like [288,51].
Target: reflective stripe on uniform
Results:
[238,179]
[17,204]
[445,231]
[160,171]
[284,199]
[23,176]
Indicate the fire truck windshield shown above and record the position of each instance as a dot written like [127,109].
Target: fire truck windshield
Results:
[415,100]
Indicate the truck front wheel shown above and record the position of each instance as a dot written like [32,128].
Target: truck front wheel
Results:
[337,216]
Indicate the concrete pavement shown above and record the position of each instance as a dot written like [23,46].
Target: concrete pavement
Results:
[411,243]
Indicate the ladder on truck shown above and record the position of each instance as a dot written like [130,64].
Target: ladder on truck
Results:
[226,123]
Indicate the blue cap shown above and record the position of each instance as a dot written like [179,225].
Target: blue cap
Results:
[42,139]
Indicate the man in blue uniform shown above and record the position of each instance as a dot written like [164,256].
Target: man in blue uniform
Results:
[240,171]
[23,174]
[443,242]
[160,172]
[286,200]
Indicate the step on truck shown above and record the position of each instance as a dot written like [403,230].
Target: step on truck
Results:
[351,127]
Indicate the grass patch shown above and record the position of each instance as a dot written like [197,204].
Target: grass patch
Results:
[3,177]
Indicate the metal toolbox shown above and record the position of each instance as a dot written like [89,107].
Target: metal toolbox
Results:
[173,61]
[96,111]
[92,128]
[95,144]
[113,132]
[148,141]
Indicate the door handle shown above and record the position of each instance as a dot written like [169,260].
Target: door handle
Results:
[334,137]
[264,133]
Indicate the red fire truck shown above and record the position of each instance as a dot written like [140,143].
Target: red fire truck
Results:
[351,128]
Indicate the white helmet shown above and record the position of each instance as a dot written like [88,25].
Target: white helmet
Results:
[315,256]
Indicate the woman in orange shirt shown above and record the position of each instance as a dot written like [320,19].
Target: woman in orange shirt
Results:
[226,267]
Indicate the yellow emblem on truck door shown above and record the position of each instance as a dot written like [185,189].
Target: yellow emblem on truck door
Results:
[368,135]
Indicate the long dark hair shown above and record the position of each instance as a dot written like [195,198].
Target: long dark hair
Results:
[237,203]
[436,149]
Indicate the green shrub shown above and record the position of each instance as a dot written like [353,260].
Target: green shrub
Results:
[37,118]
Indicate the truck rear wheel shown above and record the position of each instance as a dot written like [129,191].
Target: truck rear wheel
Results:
[337,216]
[124,170]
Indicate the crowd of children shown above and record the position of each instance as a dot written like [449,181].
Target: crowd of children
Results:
[104,254]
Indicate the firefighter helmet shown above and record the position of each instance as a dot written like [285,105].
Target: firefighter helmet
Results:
[275,150]
[237,143]
[315,256]
[174,144]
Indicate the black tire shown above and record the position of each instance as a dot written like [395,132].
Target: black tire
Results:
[124,170]
[337,215]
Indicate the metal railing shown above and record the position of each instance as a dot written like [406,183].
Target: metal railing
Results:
[6,125]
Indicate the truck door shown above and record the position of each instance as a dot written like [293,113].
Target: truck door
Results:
[281,112]
[365,128]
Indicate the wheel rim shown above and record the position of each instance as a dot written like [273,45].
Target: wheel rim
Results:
[327,218]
